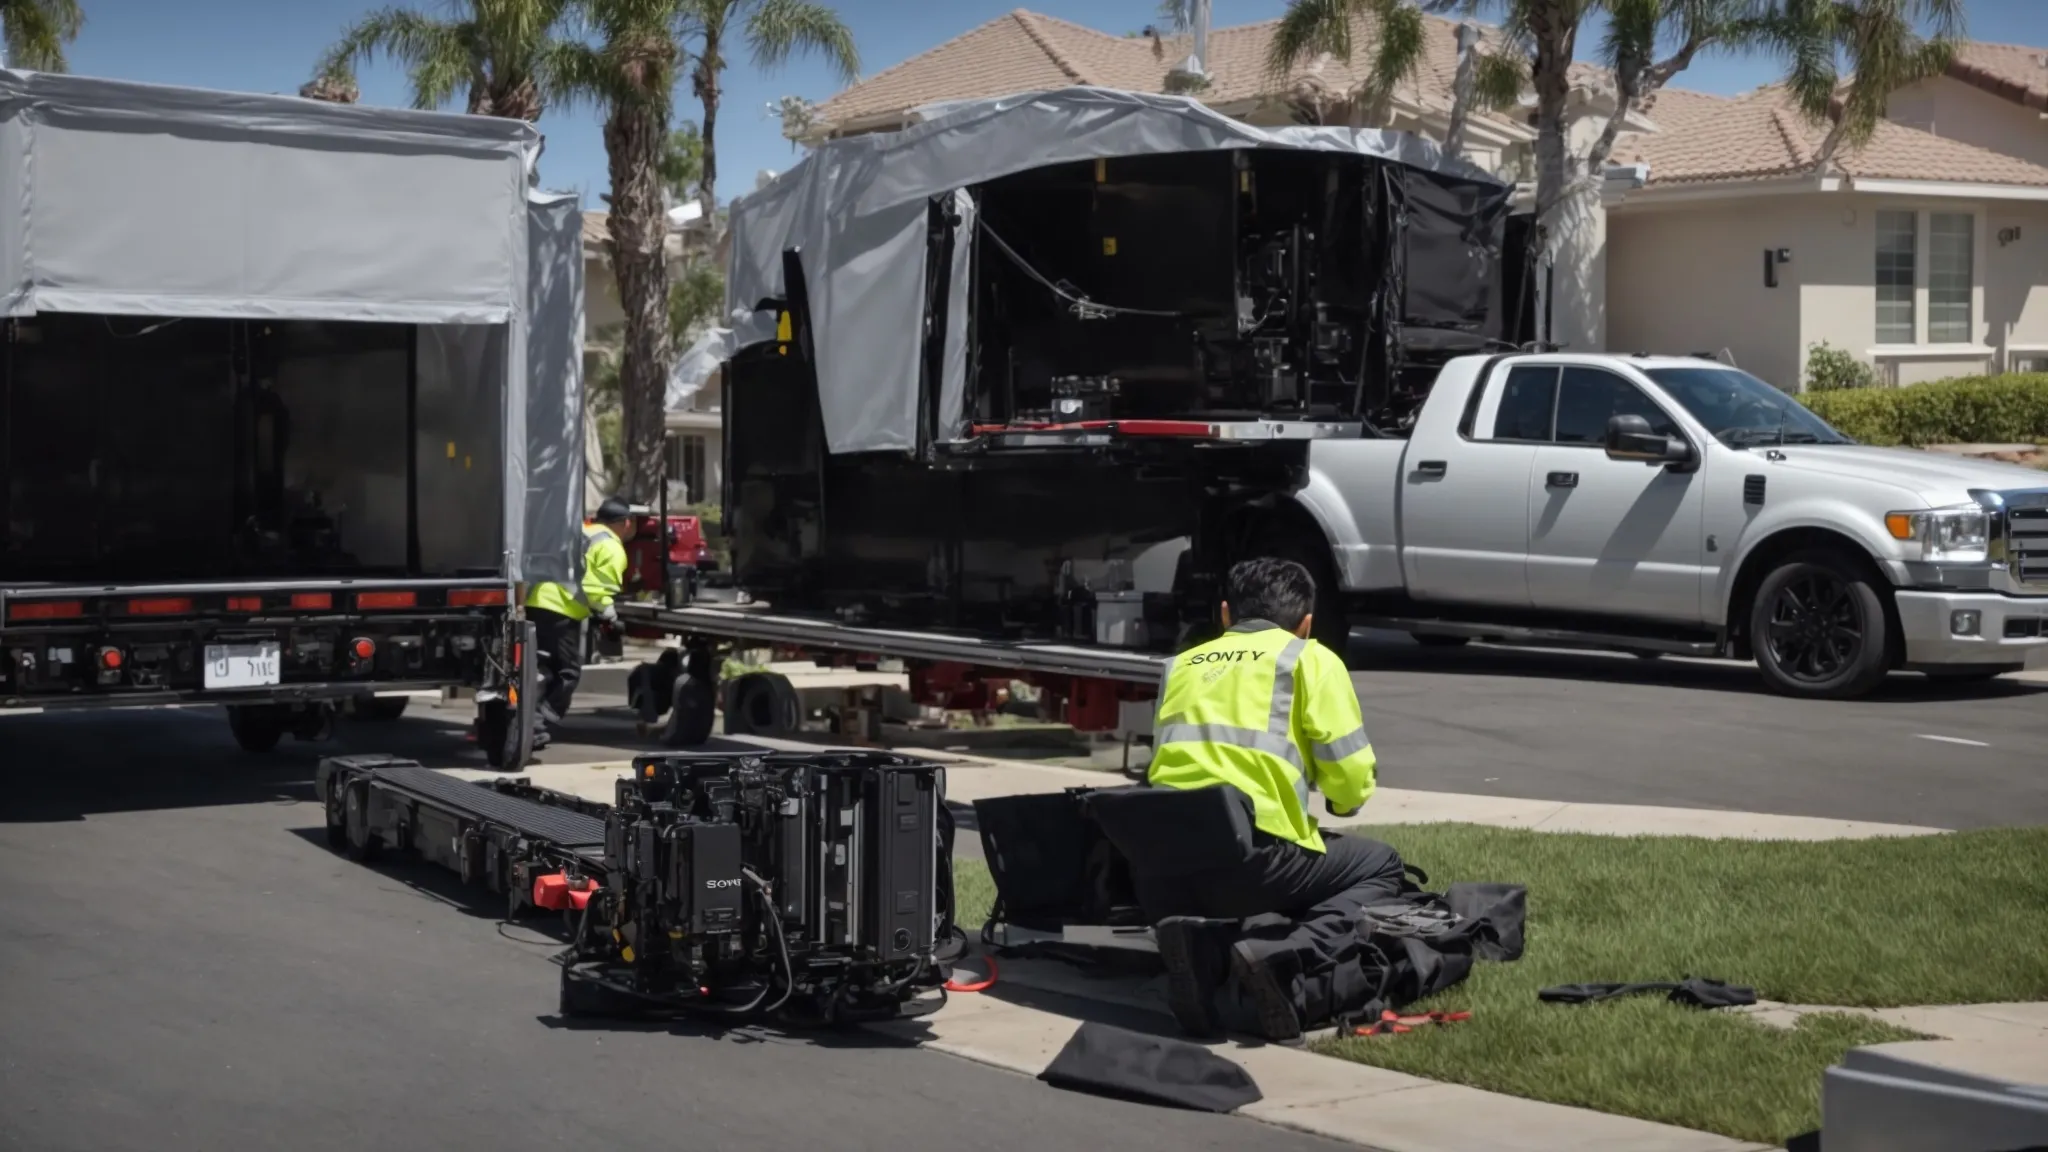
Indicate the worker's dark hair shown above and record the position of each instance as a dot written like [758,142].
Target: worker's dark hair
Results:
[1267,588]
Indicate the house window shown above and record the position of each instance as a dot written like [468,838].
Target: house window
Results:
[1950,246]
[687,457]
[1896,244]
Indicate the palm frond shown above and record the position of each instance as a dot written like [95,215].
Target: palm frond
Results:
[776,29]
[1398,50]
[1178,15]
[1501,80]
[575,74]
[1309,28]
[36,31]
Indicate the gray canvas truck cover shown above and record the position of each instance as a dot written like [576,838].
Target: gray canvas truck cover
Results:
[144,200]
[856,209]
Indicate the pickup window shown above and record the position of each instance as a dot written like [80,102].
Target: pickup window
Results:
[1527,400]
[1588,398]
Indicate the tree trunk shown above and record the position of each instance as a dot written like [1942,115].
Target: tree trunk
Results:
[707,93]
[633,136]
[1462,84]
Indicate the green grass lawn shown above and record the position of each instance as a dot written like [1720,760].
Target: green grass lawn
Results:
[1926,920]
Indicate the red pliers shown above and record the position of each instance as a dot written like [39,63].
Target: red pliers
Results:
[1391,1023]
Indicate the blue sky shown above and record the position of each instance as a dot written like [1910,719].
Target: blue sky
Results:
[270,46]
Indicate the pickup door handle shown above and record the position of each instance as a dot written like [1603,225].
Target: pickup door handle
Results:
[1562,480]
[1431,468]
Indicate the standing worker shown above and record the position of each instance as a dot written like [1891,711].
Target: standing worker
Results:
[1271,712]
[561,615]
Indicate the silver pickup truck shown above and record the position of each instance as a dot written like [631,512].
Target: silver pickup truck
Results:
[1672,505]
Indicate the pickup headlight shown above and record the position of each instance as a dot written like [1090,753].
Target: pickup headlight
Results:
[1962,532]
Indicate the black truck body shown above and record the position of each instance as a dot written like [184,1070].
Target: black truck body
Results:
[297,455]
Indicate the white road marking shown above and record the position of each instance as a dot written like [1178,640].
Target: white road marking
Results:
[1951,740]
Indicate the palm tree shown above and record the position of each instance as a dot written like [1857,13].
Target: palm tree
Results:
[499,51]
[1880,42]
[629,64]
[36,31]
[775,30]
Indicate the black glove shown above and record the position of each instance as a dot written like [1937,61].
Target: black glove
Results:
[1331,808]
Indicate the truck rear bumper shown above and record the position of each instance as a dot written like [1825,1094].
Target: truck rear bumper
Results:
[280,694]
[1984,629]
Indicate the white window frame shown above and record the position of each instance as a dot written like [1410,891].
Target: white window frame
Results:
[1923,231]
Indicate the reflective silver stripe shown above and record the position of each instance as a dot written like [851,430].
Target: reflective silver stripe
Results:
[1301,791]
[1282,721]
[1236,737]
[1350,744]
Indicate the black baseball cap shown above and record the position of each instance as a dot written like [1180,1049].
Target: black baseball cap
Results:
[614,509]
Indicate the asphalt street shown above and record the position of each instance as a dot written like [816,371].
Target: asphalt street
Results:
[1595,728]
[185,965]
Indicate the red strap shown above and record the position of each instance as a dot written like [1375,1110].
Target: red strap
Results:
[978,986]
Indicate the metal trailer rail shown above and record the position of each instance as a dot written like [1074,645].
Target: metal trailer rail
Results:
[769,628]
[1091,689]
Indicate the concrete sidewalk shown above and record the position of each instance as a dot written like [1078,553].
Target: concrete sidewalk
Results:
[1037,1005]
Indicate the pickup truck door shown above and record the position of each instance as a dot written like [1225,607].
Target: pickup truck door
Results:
[1464,494]
[1612,537]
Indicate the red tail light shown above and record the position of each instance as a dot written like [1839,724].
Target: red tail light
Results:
[110,658]
[365,648]
[312,601]
[164,606]
[368,600]
[46,610]
[245,603]
[477,598]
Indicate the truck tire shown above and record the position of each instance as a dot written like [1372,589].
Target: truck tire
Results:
[1819,627]
[1306,547]
[692,709]
[257,727]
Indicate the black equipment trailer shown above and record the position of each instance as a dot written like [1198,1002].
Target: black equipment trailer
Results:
[816,885]
[1090,688]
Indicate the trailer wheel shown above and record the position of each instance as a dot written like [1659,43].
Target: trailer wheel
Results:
[691,711]
[762,704]
[360,843]
[650,687]
[496,733]
[257,727]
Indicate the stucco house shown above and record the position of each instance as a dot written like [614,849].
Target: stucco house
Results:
[1925,253]
[694,434]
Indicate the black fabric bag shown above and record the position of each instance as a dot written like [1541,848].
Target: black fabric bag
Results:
[1694,991]
[1426,943]
[1115,1062]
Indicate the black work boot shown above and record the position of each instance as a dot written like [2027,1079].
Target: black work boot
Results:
[1193,950]
[1267,990]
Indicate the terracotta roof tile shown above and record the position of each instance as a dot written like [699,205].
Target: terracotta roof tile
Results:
[2013,71]
[1761,134]
[1025,51]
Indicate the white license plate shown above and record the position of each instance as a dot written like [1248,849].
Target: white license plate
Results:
[243,665]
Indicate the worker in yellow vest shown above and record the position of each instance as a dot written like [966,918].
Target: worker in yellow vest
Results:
[1269,711]
[561,614]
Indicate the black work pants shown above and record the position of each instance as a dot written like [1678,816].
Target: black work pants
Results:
[1306,903]
[560,641]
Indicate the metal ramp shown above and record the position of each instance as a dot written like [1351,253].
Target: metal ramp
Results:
[561,827]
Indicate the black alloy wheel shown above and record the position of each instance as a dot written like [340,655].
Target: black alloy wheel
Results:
[1819,628]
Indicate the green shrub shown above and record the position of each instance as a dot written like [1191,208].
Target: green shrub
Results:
[1830,369]
[1965,410]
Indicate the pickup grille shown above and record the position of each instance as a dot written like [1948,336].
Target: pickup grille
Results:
[2026,541]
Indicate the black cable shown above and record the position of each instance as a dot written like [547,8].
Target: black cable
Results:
[1083,307]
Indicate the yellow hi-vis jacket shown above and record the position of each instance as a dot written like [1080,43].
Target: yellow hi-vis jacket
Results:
[1274,715]
[604,573]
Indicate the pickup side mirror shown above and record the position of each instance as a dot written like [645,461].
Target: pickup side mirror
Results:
[1630,438]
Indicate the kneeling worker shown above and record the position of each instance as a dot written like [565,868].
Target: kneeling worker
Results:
[561,614]
[1273,713]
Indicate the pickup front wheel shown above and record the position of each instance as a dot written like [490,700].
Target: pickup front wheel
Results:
[1819,628]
